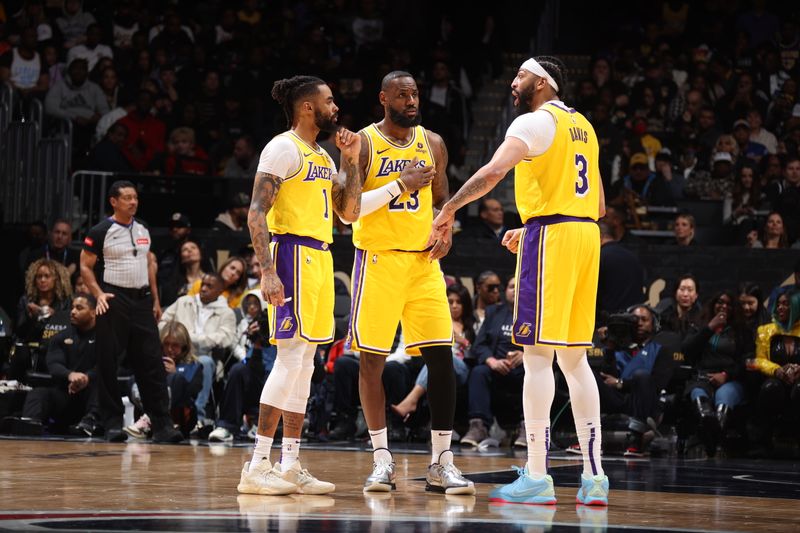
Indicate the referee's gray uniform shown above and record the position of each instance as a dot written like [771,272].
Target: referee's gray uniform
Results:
[128,325]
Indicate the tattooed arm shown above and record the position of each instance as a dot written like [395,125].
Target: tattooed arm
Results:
[265,191]
[346,186]
[511,152]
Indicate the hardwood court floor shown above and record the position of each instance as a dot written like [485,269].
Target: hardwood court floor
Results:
[90,486]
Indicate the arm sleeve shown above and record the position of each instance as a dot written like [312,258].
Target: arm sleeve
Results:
[280,157]
[93,242]
[57,359]
[373,200]
[537,130]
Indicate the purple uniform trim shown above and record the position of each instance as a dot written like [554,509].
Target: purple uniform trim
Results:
[358,268]
[286,322]
[591,450]
[299,240]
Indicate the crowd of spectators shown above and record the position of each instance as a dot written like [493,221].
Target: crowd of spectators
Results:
[681,112]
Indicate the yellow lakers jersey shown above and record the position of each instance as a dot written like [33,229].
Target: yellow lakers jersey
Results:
[303,206]
[565,180]
[405,222]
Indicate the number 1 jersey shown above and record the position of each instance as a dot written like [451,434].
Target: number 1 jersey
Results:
[565,179]
[303,206]
[405,222]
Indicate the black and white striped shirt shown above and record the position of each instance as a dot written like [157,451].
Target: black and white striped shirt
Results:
[121,252]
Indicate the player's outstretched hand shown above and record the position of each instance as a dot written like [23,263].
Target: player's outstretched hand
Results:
[348,143]
[511,239]
[441,232]
[415,178]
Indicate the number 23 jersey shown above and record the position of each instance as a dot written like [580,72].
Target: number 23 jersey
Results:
[405,222]
[565,179]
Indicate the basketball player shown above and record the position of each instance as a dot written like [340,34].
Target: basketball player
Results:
[296,193]
[559,195]
[394,281]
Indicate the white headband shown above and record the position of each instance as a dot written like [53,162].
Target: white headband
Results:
[531,65]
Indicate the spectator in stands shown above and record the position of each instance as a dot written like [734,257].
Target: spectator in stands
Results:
[680,312]
[146,133]
[758,134]
[92,49]
[184,379]
[621,280]
[71,362]
[751,301]
[212,328]
[716,353]
[714,185]
[648,187]
[634,373]
[47,290]
[487,293]
[499,368]
[174,38]
[74,23]
[181,272]
[491,225]
[463,337]
[670,174]
[253,268]
[748,148]
[740,205]
[22,66]
[707,133]
[112,90]
[778,359]
[771,171]
[233,273]
[773,234]
[109,154]
[784,196]
[617,217]
[235,218]
[684,227]
[57,247]
[183,157]
[742,98]
[445,107]
[243,163]
[247,377]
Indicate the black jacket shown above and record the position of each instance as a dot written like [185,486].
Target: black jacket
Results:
[708,352]
[71,351]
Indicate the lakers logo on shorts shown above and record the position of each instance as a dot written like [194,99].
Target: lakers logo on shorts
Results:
[287,324]
[524,330]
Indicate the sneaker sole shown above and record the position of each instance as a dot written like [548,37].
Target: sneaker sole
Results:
[542,501]
[316,492]
[380,487]
[594,502]
[461,491]
[247,489]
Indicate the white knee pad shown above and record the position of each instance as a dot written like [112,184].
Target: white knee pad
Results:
[298,396]
[278,390]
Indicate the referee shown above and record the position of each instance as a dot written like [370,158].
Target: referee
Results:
[116,252]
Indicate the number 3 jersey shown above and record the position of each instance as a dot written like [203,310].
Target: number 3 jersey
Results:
[565,179]
[303,206]
[405,222]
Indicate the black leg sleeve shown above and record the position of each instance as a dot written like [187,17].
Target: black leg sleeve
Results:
[441,386]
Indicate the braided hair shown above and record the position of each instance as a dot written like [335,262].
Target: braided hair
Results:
[288,91]
[556,68]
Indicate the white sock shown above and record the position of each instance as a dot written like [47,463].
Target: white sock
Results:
[290,449]
[585,401]
[440,442]
[261,452]
[538,431]
[591,439]
[380,445]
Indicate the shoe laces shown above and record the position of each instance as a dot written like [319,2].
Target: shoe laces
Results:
[452,469]
[381,467]
[520,470]
[304,476]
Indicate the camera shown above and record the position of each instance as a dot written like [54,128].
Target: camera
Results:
[622,329]
[262,335]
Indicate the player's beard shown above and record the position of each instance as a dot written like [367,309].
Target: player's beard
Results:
[525,97]
[403,121]
[327,124]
